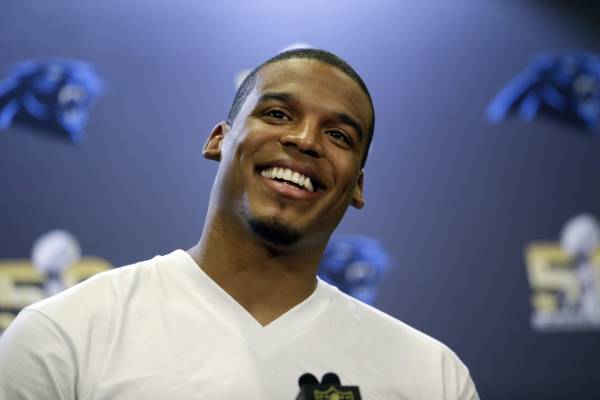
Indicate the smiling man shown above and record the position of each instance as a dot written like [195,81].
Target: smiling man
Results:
[242,314]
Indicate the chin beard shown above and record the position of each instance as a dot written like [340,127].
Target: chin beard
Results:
[274,232]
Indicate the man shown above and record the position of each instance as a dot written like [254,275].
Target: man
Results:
[241,315]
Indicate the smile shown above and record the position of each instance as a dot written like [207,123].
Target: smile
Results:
[290,177]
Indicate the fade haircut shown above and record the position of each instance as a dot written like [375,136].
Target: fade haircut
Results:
[249,83]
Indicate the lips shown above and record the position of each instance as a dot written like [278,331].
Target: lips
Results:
[294,173]
[291,179]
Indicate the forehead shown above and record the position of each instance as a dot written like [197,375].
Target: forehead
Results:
[317,84]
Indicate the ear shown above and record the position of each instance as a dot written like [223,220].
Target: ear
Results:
[212,147]
[358,200]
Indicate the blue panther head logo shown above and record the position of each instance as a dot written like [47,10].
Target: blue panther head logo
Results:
[564,85]
[356,265]
[55,94]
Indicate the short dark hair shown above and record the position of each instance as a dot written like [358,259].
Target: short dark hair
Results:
[249,83]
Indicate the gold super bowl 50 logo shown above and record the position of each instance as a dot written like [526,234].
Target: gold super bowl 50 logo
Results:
[21,284]
[565,278]
[55,265]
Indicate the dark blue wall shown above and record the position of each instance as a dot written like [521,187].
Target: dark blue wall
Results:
[454,199]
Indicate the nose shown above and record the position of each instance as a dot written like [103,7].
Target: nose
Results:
[305,138]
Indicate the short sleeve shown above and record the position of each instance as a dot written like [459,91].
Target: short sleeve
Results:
[468,391]
[458,384]
[36,361]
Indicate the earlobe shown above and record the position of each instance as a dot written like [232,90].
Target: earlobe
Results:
[358,200]
[212,147]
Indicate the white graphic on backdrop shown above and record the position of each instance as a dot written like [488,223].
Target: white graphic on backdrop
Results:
[52,254]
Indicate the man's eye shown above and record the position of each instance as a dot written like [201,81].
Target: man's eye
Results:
[338,136]
[277,114]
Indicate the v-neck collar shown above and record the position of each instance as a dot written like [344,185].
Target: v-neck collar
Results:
[265,340]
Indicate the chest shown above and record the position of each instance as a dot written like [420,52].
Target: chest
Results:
[219,363]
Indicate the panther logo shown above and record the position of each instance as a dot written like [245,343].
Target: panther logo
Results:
[563,85]
[55,94]
[356,265]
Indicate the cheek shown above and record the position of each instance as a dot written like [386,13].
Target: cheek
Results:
[346,167]
[257,146]
[240,154]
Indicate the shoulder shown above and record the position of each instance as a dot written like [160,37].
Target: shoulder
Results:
[74,332]
[101,297]
[398,345]
[375,322]
[25,348]
[96,291]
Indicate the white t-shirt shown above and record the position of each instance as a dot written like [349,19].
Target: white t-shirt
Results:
[162,329]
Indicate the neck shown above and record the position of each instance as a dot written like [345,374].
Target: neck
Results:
[267,282]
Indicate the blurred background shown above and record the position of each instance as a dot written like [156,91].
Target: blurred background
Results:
[455,200]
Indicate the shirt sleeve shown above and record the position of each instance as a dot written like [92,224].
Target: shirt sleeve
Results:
[36,361]
[458,384]
[468,391]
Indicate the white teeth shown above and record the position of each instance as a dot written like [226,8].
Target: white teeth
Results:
[296,178]
[308,185]
[301,180]
[287,174]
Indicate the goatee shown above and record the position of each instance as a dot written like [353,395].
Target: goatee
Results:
[274,232]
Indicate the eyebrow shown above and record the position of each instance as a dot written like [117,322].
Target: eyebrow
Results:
[337,116]
[281,96]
